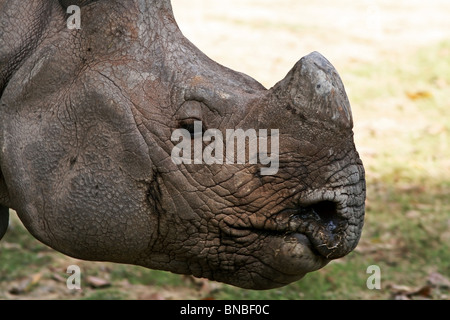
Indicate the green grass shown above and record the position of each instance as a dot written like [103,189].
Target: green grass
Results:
[25,255]
[402,127]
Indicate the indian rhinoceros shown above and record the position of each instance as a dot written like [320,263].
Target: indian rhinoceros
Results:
[87,117]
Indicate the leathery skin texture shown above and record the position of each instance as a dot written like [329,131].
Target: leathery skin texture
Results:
[86,122]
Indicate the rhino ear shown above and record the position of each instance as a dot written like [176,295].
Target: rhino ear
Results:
[80,3]
[4,220]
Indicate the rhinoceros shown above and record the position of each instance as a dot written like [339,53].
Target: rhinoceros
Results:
[87,121]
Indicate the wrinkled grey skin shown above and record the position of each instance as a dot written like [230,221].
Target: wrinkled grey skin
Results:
[86,120]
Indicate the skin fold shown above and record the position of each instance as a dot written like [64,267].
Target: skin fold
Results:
[86,123]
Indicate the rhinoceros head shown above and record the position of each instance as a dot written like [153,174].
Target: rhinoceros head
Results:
[114,147]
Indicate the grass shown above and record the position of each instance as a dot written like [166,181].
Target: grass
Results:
[402,128]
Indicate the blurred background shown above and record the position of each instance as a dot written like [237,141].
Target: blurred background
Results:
[394,59]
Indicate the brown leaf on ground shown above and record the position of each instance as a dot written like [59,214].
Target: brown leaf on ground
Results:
[419,95]
[26,285]
[59,278]
[437,280]
[435,287]
[401,292]
[97,283]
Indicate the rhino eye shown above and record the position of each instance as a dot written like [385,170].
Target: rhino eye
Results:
[189,125]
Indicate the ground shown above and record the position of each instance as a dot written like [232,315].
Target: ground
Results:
[394,59]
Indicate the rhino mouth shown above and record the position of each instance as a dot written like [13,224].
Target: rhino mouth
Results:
[322,223]
[326,227]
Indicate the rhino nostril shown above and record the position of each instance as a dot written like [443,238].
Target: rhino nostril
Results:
[326,211]
[323,213]
[323,223]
